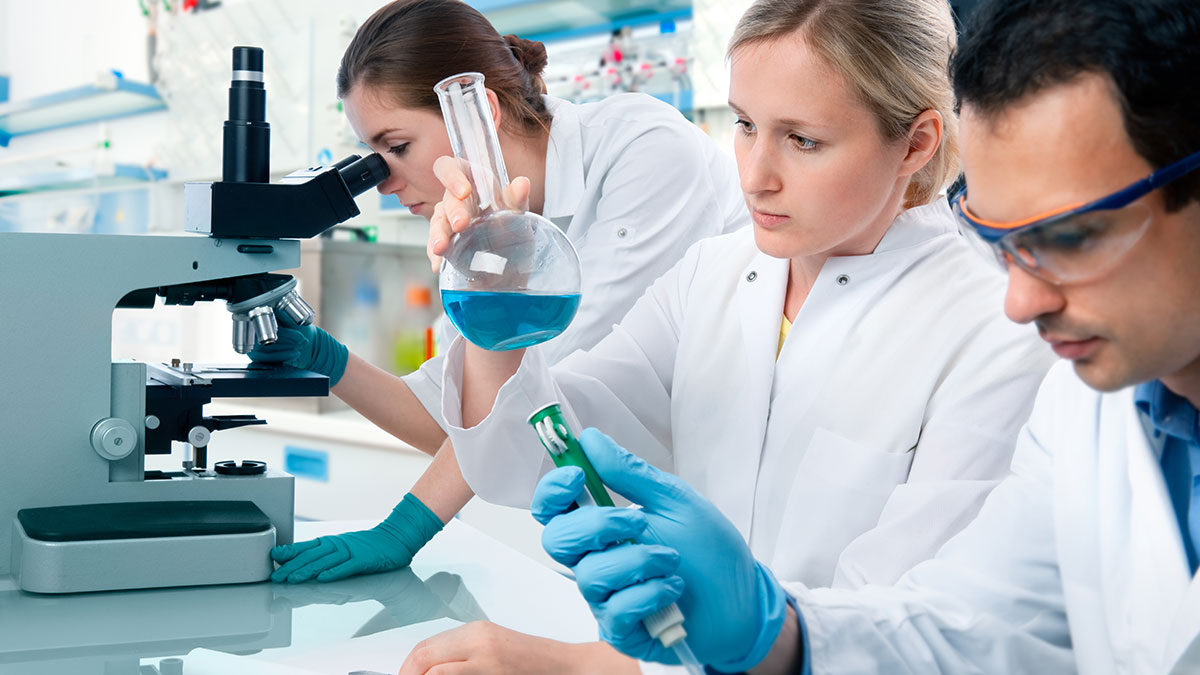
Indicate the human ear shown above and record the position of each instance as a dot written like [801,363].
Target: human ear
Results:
[923,138]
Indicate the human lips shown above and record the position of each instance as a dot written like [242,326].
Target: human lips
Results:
[1070,349]
[767,220]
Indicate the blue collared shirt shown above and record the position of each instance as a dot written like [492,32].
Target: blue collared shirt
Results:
[1175,417]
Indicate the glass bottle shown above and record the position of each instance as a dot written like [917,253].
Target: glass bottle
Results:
[512,278]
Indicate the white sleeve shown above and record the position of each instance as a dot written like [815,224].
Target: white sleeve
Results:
[426,384]
[657,199]
[964,450]
[622,386]
[990,602]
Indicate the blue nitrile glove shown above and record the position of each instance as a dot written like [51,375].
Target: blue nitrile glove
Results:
[387,546]
[306,348]
[686,552]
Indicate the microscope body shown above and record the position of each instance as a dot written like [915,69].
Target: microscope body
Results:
[74,426]
[78,509]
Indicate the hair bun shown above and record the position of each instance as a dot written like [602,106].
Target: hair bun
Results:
[531,55]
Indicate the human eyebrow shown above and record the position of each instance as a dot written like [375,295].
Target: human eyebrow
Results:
[379,136]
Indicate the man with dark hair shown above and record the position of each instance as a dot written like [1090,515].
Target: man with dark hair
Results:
[1081,148]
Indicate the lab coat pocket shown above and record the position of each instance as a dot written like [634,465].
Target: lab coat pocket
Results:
[838,492]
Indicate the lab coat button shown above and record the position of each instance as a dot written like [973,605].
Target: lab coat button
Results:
[622,232]
[752,276]
[843,279]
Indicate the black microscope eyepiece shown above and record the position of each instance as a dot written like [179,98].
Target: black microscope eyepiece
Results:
[247,59]
[247,151]
[362,174]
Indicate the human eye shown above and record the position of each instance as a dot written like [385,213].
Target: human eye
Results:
[398,149]
[801,143]
[1075,235]
[744,126]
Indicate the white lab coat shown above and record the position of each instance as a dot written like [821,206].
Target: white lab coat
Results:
[633,184]
[1084,525]
[890,413]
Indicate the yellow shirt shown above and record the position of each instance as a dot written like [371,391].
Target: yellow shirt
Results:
[784,328]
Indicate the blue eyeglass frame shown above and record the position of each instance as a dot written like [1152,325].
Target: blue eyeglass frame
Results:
[993,232]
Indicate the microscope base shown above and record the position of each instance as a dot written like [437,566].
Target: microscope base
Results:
[79,549]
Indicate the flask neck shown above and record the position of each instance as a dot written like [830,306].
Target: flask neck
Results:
[473,137]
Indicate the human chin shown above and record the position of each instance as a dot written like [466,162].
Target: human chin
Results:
[773,243]
[1109,369]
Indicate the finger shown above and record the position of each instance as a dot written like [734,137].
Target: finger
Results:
[556,493]
[623,612]
[286,552]
[439,235]
[447,647]
[310,571]
[350,568]
[308,564]
[458,212]
[274,355]
[571,536]
[451,174]
[603,573]
[516,194]
[630,476]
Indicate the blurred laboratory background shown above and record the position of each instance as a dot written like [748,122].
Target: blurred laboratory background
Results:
[108,107]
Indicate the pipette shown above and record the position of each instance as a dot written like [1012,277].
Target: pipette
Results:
[665,625]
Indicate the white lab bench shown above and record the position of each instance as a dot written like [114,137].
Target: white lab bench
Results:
[462,575]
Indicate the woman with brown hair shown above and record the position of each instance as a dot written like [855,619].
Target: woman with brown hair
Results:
[629,180]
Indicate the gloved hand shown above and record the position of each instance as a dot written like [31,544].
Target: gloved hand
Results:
[304,347]
[686,551]
[387,546]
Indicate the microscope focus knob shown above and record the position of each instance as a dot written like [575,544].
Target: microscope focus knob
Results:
[199,436]
[114,438]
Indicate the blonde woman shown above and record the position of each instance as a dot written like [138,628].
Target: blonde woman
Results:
[839,381]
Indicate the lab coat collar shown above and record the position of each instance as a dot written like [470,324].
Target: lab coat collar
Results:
[901,244]
[917,225]
[564,162]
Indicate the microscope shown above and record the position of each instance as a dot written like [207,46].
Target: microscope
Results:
[78,509]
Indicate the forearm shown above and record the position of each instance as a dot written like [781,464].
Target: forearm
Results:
[787,653]
[442,488]
[601,657]
[484,372]
[387,401]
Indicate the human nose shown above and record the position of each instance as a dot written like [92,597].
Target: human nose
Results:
[756,170]
[1029,297]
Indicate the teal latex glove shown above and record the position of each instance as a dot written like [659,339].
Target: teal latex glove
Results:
[686,551]
[306,348]
[388,546]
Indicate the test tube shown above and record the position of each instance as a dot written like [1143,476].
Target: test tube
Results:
[665,625]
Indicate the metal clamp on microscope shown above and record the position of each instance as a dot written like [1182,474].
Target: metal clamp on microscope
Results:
[78,510]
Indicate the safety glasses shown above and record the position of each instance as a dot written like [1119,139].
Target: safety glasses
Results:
[1075,242]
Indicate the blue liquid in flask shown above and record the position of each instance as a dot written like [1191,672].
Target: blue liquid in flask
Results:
[503,321]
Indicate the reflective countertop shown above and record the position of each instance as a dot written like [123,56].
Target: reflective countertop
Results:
[462,575]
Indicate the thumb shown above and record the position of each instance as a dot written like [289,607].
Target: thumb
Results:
[516,194]
[630,476]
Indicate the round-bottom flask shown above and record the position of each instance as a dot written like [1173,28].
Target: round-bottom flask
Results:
[512,278]
[510,281]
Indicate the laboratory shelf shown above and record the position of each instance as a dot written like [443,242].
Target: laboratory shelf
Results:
[70,178]
[559,19]
[116,98]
